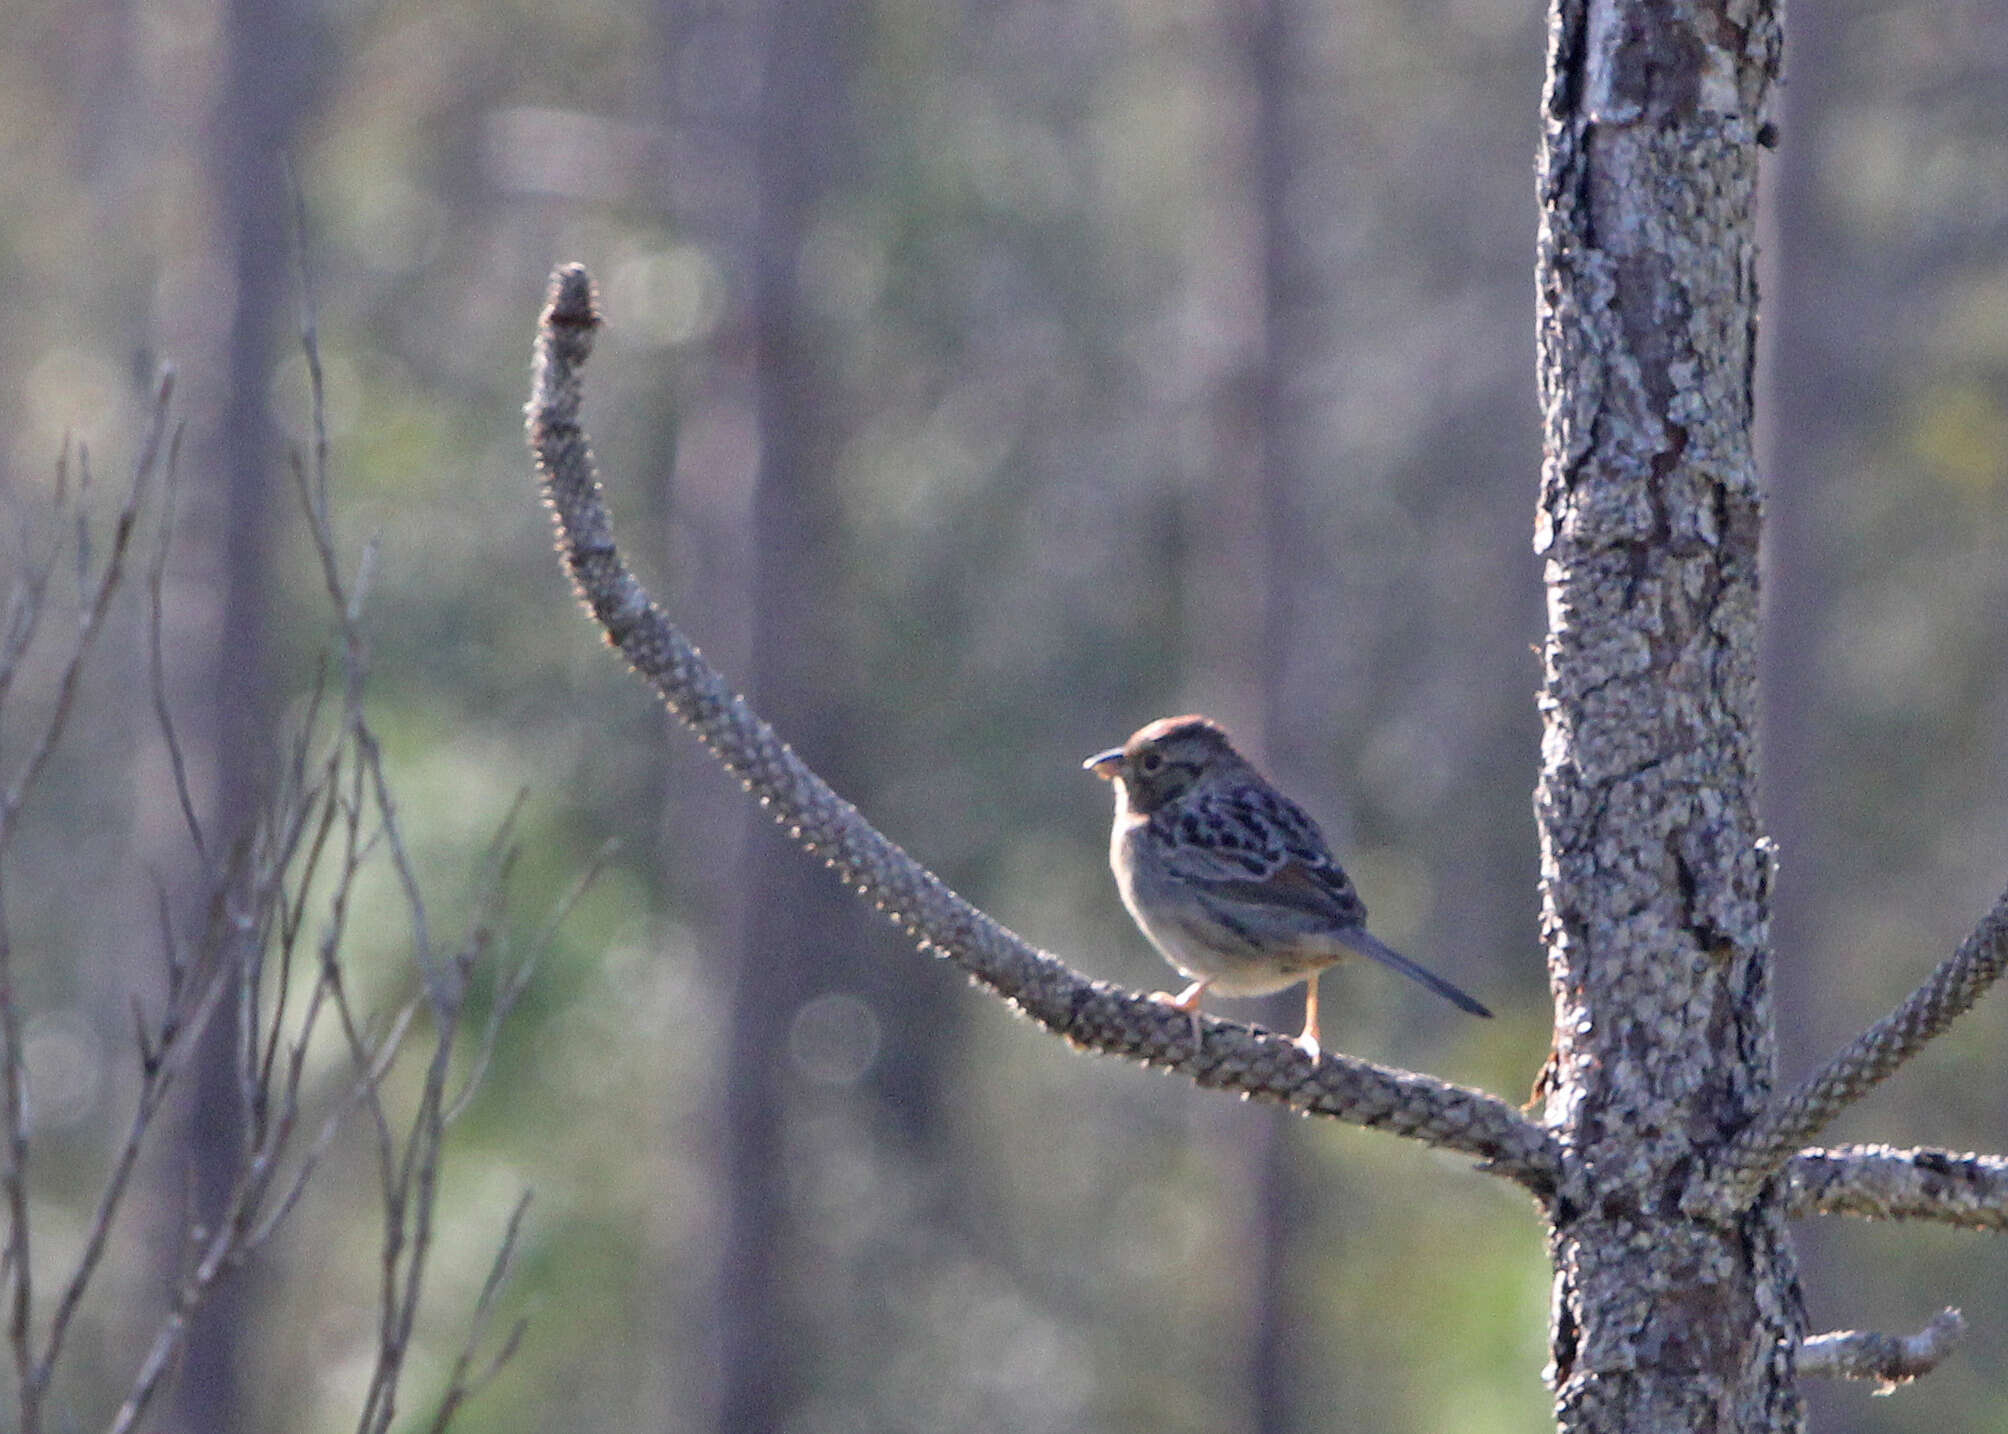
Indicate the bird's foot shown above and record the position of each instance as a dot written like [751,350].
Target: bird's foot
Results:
[1188,1002]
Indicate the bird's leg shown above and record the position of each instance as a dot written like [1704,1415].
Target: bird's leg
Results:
[1308,1041]
[1188,1002]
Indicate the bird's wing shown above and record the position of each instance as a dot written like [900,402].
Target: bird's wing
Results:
[1253,844]
[1245,849]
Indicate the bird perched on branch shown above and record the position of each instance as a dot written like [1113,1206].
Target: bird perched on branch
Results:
[1230,879]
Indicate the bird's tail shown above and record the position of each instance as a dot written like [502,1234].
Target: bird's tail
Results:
[1367,944]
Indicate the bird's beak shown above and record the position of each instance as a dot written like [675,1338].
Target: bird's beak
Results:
[1106,765]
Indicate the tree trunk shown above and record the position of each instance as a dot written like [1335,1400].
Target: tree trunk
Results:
[226,695]
[790,921]
[1288,721]
[1654,872]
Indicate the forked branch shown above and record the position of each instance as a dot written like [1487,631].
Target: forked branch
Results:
[1092,1014]
[1774,1138]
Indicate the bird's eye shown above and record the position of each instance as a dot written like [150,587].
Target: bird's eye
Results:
[1152,761]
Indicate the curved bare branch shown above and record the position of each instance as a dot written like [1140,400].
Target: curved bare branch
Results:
[1091,1014]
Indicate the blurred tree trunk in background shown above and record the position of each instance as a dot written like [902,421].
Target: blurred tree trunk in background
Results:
[1327,526]
[796,938]
[711,104]
[790,921]
[220,672]
[1274,572]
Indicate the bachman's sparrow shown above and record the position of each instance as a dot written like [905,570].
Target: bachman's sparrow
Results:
[1230,879]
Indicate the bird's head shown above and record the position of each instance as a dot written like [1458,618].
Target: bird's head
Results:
[1162,761]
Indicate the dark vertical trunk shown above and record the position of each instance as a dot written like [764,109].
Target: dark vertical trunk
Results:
[793,924]
[1254,531]
[710,427]
[227,702]
[1278,1201]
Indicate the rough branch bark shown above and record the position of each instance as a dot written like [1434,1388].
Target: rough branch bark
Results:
[1654,871]
[1877,1182]
[1091,1014]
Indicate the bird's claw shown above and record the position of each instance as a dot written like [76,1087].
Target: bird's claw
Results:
[1188,1002]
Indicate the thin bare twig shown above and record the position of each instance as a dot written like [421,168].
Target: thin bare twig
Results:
[361,1090]
[407,1176]
[312,488]
[163,713]
[96,587]
[412,1199]
[312,817]
[511,988]
[170,1045]
[164,1053]
[312,480]
[322,821]
[1092,1014]
[95,603]
[392,828]
[465,1382]
[262,920]
[362,1056]
[26,599]
[20,1314]
[242,916]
